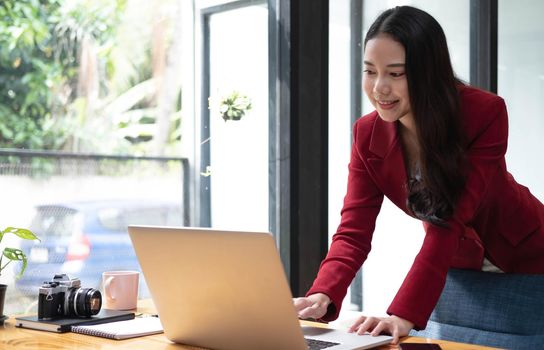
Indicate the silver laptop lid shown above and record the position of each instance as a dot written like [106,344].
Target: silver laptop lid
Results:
[218,289]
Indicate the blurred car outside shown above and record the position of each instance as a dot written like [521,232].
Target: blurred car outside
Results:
[85,238]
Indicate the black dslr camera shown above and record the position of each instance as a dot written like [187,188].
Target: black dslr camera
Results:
[64,297]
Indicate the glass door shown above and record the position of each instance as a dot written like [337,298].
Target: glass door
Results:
[234,146]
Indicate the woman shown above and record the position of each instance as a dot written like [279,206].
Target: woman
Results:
[435,148]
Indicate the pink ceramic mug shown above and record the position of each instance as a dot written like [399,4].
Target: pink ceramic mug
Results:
[120,289]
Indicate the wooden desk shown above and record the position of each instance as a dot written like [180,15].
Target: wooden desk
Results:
[26,339]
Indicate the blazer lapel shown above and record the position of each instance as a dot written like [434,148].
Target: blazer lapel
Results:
[387,162]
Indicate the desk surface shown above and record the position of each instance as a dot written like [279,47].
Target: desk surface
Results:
[19,338]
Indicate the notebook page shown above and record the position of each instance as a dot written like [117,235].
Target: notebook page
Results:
[123,329]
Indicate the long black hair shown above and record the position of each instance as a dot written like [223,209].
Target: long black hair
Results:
[434,101]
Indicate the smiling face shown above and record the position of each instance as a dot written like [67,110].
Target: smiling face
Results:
[384,79]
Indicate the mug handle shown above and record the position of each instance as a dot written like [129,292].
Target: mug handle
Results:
[109,291]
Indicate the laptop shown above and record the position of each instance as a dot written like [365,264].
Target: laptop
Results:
[227,290]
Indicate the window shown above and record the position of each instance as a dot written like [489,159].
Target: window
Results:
[234,124]
[521,84]
[120,143]
[90,121]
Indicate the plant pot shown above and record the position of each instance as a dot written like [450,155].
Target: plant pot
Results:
[226,117]
[3,288]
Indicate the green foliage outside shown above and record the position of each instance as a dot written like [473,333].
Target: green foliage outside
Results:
[66,83]
[38,68]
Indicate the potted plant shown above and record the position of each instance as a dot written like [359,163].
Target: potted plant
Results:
[12,254]
[234,106]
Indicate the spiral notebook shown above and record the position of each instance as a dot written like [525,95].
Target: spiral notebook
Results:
[137,327]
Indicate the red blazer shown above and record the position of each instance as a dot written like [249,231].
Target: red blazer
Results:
[495,216]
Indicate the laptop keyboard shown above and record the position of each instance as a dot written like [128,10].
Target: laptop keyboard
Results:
[319,344]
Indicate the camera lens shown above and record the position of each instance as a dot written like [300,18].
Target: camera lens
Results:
[83,302]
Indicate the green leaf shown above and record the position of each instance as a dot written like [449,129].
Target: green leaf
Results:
[21,232]
[16,255]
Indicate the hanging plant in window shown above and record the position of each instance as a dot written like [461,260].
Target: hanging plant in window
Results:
[234,106]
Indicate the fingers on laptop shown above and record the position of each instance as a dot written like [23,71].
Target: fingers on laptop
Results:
[376,326]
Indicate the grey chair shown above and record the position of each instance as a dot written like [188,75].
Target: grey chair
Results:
[493,309]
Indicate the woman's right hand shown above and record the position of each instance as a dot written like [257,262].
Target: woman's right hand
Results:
[313,306]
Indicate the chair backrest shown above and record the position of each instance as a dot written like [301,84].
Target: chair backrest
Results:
[493,309]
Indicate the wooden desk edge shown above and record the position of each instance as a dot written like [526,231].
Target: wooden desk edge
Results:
[20,338]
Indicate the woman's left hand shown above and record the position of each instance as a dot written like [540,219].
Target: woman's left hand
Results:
[396,326]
